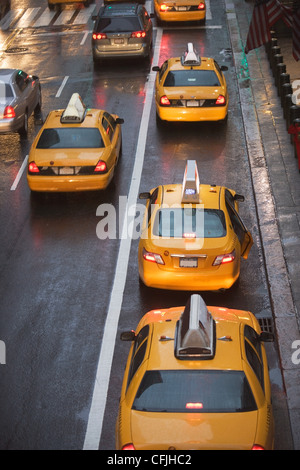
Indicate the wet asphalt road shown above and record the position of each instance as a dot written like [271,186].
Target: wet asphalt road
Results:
[56,275]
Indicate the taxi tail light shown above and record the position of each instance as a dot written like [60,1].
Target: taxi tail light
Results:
[221,100]
[9,112]
[101,167]
[257,447]
[153,257]
[138,34]
[128,447]
[164,101]
[99,36]
[33,168]
[224,259]
[201,6]
[163,7]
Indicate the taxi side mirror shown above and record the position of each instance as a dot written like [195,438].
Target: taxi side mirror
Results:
[119,121]
[267,337]
[224,68]
[127,335]
[144,195]
[239,197]
[156,68]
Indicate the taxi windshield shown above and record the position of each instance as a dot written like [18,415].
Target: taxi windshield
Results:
[177,222]
[208,391]
[70,137]
[191,77]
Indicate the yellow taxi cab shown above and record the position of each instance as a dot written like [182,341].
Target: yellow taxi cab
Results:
[191,88]
[192,237]
[77,149]
[196,378]
[180,10]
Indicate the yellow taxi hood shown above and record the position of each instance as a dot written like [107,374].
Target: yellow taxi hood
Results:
[231,431]
[67,157]
[208,92]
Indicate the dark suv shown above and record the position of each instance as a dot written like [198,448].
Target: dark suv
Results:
[122,30]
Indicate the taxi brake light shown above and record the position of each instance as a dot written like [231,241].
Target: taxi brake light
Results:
[128,447]
[163,7]
[257,447]
[99,36]
[153,257]
[138,34]
[9,112]
[164,101]
[101,167]
[201,6]
[224,259]
[221,100]
[32,168]
[194,406]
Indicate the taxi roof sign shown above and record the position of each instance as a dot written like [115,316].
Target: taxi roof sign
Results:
[195,336]
[75,110]
[190,56]
[191,184]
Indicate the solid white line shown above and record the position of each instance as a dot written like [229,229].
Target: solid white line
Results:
[62,86]
[97,410]
[20,172]
[84,38]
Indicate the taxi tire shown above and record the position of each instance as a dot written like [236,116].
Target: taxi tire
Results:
[160,122]
[23,131]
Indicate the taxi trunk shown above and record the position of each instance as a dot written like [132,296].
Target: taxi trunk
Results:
[193,431]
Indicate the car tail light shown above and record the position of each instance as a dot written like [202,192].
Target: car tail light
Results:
[163,7]
[32,168]
[101,167]
[224,259]
[257,447]
[153,257]
[128,447]
[164,101]
[221,100]
[9,112]
[138,34]
[99,36]
[194,406]
[201,6]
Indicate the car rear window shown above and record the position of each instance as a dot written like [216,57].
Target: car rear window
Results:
[118,24]
[182,222]
[70,137]
[208,391]
[191,78]
[5,91]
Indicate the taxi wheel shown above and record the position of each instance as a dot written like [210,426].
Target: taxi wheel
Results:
[160,122]
[38,108]
[23,131]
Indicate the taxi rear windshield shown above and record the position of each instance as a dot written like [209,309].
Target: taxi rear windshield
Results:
[120,24]
[181,221]
[70,137]
[191,78]
[208,391]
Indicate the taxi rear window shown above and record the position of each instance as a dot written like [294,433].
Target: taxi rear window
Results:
[119,24]
[208,391]
[178,222]
[191,78]
[70,137]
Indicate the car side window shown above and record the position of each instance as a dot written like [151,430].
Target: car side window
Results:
[236,224]
[138,353]
[108,124]
[21,81]
[152,202]
[229,198]
[253,353]
[163,68]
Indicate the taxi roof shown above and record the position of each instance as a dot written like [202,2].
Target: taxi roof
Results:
[207,63]
[227,349]
[91,119]
[209,195]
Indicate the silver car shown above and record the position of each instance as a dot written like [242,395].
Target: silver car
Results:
[20,96]
[122,30]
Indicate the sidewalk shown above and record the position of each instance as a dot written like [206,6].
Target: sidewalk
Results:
[274,171]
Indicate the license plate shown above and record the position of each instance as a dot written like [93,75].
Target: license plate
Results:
[181,8]
[119,41]
[193,103]
[188,262]
[66,170]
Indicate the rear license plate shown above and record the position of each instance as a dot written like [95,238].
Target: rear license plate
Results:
[181,8]
[193,103]
[66,170]
[119,41]
[188,262]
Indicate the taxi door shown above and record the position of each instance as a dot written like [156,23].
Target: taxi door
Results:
[244,236]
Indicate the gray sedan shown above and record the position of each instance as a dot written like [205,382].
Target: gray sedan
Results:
[20,96]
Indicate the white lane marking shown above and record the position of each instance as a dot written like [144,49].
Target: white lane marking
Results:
[9,18]
[84,38]
[27,18]
[84,15]
[97,410]
[45,18]
[64,17]
[208,10]
[59,91]
[20,172]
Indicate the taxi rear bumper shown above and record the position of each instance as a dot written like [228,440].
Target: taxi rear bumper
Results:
[197,15]
[166,113]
